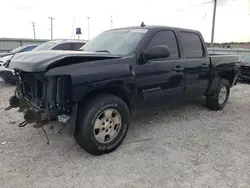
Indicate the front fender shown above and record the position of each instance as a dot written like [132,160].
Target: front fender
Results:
[88,78]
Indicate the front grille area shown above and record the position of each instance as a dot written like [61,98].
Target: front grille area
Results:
[52,93]
[32,88]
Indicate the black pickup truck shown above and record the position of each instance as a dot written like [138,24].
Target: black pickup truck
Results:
[118,73]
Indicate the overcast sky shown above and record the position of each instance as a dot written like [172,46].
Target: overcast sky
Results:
[232,23]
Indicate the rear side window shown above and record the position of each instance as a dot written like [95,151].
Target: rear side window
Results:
[63,46]
[77,46]
[167,38]
[192,45]
[29,48]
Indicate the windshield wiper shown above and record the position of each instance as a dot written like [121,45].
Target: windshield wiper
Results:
[103,51]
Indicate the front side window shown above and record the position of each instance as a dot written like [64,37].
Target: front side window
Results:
[192,45]
[120,42]
[168,39]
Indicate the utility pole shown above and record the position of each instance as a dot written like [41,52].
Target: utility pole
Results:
[51,27]
[213,24]
[88,27]
[34,29]
[111,22]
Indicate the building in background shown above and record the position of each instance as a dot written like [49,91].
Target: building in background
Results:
[8,44]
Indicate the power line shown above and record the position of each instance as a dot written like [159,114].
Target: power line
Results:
[51,27]
[88,27]
[34,29]
[213,23]
[111,22]
[73,25]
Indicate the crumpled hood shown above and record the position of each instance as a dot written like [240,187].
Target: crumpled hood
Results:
[39,61]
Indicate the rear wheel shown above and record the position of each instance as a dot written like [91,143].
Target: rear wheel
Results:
[102,124]
[218,99]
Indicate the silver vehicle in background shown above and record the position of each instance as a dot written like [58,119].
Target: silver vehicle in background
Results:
[58,44]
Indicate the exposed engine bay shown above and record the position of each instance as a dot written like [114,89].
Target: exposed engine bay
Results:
[42,99]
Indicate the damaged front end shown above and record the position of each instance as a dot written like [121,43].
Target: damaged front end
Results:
[42,98]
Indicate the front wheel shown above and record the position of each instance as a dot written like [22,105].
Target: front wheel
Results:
[218,99]
[102,124]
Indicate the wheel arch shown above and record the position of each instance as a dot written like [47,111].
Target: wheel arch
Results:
[227,75]
[121,91]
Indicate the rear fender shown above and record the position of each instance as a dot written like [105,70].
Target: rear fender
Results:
[230,75]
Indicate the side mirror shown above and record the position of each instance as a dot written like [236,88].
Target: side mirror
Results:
[157,51]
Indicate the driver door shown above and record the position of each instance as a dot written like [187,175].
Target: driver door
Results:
[160,81]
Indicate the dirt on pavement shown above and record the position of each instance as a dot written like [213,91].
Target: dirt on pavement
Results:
[185,146]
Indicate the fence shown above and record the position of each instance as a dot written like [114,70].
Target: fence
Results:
[235,51]
[7,44]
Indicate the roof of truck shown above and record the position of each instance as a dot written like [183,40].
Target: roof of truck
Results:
[156,27]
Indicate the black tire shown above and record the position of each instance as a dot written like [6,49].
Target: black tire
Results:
[213,99]
[87,114]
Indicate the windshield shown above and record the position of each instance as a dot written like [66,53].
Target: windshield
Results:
[45,46]
[121,42]
[17,49]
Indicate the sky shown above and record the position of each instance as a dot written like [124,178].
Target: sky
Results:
[232,18]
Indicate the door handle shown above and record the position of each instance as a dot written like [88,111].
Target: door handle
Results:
[204,65]
[178,69]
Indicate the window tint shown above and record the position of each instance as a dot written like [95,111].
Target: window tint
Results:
[29,48]
[167,38]
[77,46]
[64,46]
[192,45]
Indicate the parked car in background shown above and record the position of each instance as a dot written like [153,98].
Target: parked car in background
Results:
[59,44]
[120,72]
[245,67]
[6,74]
[24,48]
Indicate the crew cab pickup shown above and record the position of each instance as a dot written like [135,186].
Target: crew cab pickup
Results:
[121,71]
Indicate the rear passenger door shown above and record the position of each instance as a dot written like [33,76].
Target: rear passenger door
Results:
[160,81]
[196,64]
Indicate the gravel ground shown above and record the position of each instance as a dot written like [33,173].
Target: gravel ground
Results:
[187,146]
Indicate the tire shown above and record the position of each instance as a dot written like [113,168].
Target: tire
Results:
[213,100]
[87,136]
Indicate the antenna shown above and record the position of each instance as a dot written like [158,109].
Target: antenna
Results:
[142,24]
